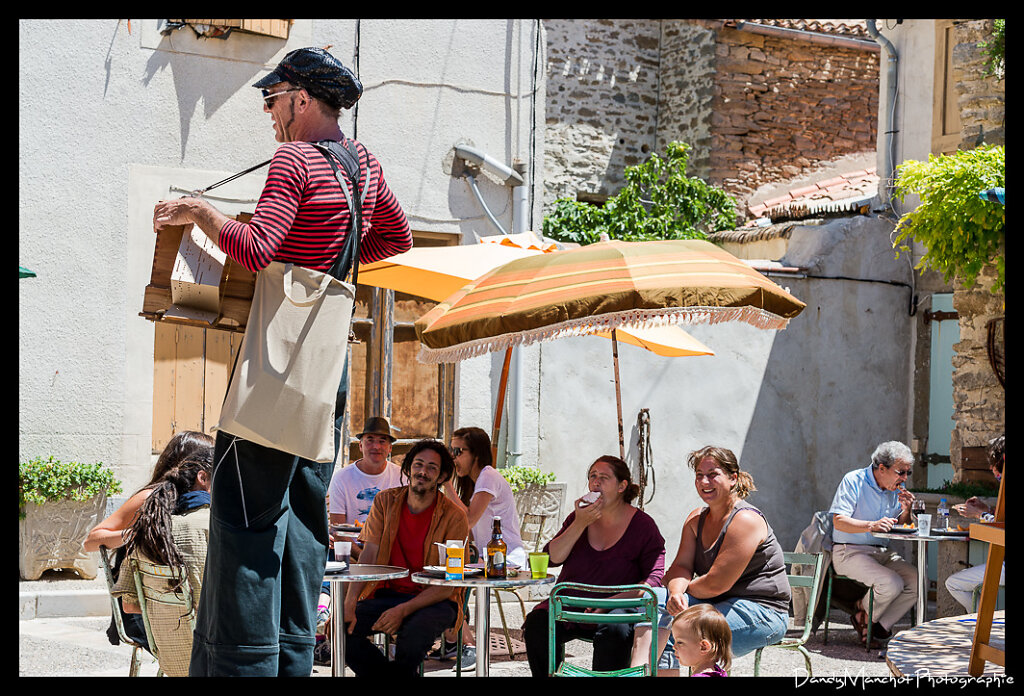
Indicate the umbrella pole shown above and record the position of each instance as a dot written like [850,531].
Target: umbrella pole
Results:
[618,392]
[500,406]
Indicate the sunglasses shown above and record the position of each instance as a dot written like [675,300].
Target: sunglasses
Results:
[268,96]
[902,472]
[456,451]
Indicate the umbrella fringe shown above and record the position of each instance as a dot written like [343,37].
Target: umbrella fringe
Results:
[633,318]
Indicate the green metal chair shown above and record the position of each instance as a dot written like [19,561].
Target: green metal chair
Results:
[813,581]
[178,596]
[569,608]
[137,649]
[833,575]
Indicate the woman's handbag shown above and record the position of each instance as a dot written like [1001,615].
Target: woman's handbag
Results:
[284,387]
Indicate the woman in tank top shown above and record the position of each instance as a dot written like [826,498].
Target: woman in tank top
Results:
[728,557]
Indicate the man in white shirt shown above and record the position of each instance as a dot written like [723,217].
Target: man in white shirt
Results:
[354,487]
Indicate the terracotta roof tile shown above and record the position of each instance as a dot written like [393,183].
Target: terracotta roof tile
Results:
[810,198]
[850,27]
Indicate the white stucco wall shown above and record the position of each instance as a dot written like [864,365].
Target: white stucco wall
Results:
[110,121]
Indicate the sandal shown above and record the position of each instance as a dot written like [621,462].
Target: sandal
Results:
[861,625]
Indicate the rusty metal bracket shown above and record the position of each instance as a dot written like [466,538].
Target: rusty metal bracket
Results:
[931,316]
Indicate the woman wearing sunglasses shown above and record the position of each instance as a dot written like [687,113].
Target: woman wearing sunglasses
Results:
[483,494]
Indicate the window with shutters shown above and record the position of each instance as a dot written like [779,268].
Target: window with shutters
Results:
[221,28]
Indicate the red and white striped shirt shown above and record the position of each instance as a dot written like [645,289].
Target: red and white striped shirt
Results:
[302,216]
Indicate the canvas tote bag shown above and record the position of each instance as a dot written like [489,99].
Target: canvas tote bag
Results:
[284,387]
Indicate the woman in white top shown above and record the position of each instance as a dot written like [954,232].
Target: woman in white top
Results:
[483,494]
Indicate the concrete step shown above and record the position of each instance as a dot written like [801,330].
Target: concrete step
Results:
[61,593]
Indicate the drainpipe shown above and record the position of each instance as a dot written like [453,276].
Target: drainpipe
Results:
[889,109]
[520,210]
[514,178]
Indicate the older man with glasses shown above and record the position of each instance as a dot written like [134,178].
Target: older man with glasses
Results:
[873,499]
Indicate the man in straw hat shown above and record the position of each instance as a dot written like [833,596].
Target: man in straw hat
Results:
[354,487]
[268,527]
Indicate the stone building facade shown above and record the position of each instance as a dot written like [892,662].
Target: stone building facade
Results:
[978,396]
[756,108]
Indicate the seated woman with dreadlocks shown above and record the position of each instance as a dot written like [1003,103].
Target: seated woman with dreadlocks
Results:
[172,529]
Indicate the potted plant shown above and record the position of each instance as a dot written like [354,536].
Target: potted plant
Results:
[58,503]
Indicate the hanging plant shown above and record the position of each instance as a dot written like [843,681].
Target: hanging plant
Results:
[961,231]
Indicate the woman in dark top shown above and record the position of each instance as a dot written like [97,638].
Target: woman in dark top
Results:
[728,557]
[607,542]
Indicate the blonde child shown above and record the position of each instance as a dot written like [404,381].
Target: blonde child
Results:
[703,641]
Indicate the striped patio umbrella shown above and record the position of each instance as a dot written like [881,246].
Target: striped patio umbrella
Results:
[602,289]
[437,272]
[599,288]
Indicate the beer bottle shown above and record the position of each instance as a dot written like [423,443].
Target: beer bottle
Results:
[496,550]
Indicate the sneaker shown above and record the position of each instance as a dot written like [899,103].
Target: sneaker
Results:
[322,651]
[468,657]
[445,651]
[322,614]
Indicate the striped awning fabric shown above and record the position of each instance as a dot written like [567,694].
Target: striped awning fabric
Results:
[599,287]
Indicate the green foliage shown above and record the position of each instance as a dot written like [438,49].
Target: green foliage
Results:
[658,202]
[520,476]
[996,50]
[39,481]
[961,232]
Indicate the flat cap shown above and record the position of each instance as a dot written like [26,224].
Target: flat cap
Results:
[319,73]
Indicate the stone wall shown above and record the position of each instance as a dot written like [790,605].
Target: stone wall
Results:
[979,402]
[687,90]
[782,107]
[756,109]
[982,98]
[602,100]
[978,398]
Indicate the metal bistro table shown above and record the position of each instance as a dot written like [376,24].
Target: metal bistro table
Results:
[483,588]
[355,572]
[922,562]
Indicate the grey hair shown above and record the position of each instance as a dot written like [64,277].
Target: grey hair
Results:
[888,453]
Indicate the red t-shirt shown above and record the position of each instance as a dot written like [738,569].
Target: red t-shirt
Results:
[407,551]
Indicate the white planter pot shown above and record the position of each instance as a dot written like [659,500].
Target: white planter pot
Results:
[540,500]
[51,537]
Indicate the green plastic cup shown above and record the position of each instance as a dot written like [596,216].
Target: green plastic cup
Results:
[538,564]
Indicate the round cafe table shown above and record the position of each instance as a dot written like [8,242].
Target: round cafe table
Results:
[355,572]
[922,561]
[483,588]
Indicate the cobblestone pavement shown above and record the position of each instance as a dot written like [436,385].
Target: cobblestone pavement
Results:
[78,646]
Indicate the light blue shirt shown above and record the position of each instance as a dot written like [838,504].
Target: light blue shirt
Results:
[859,497]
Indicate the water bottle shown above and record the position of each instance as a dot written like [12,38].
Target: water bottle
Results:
[943,521]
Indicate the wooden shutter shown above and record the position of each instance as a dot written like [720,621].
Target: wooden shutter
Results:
[191,366]
[945,106]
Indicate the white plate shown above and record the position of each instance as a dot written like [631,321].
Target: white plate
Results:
[442,569]
[903,530]
[335,566]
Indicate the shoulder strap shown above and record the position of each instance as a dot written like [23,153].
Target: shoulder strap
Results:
[348,158]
